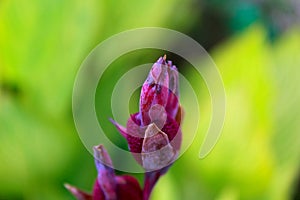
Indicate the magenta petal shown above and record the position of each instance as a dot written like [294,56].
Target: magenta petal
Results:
[108,186]
[133,126]
[133,133]
[135,144]
[172,104]
[120,128]
[79,194]
[172,129]
[146,99]
[128,188]
[97,192]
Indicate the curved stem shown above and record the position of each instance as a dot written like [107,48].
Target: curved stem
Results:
[150,180]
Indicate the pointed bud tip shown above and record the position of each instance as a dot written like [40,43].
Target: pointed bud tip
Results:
[71,188]
[162,60]
[79,194]
[101,155]
[120,128]
[68,186]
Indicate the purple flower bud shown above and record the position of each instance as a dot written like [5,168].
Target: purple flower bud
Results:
[108,186]
[160,87]
[153,134]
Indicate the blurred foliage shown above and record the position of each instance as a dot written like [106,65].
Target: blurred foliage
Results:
[257,156]
[42,44]
[219,19]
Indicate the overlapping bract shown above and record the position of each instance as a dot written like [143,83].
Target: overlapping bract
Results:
[153,134]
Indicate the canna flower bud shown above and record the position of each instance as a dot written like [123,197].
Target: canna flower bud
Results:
[153,134]
[108,186]
[160,88]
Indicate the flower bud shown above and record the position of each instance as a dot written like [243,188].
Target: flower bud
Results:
[108,186]
[160,87]
[153,134]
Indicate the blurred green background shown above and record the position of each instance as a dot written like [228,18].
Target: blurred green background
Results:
[255,44]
